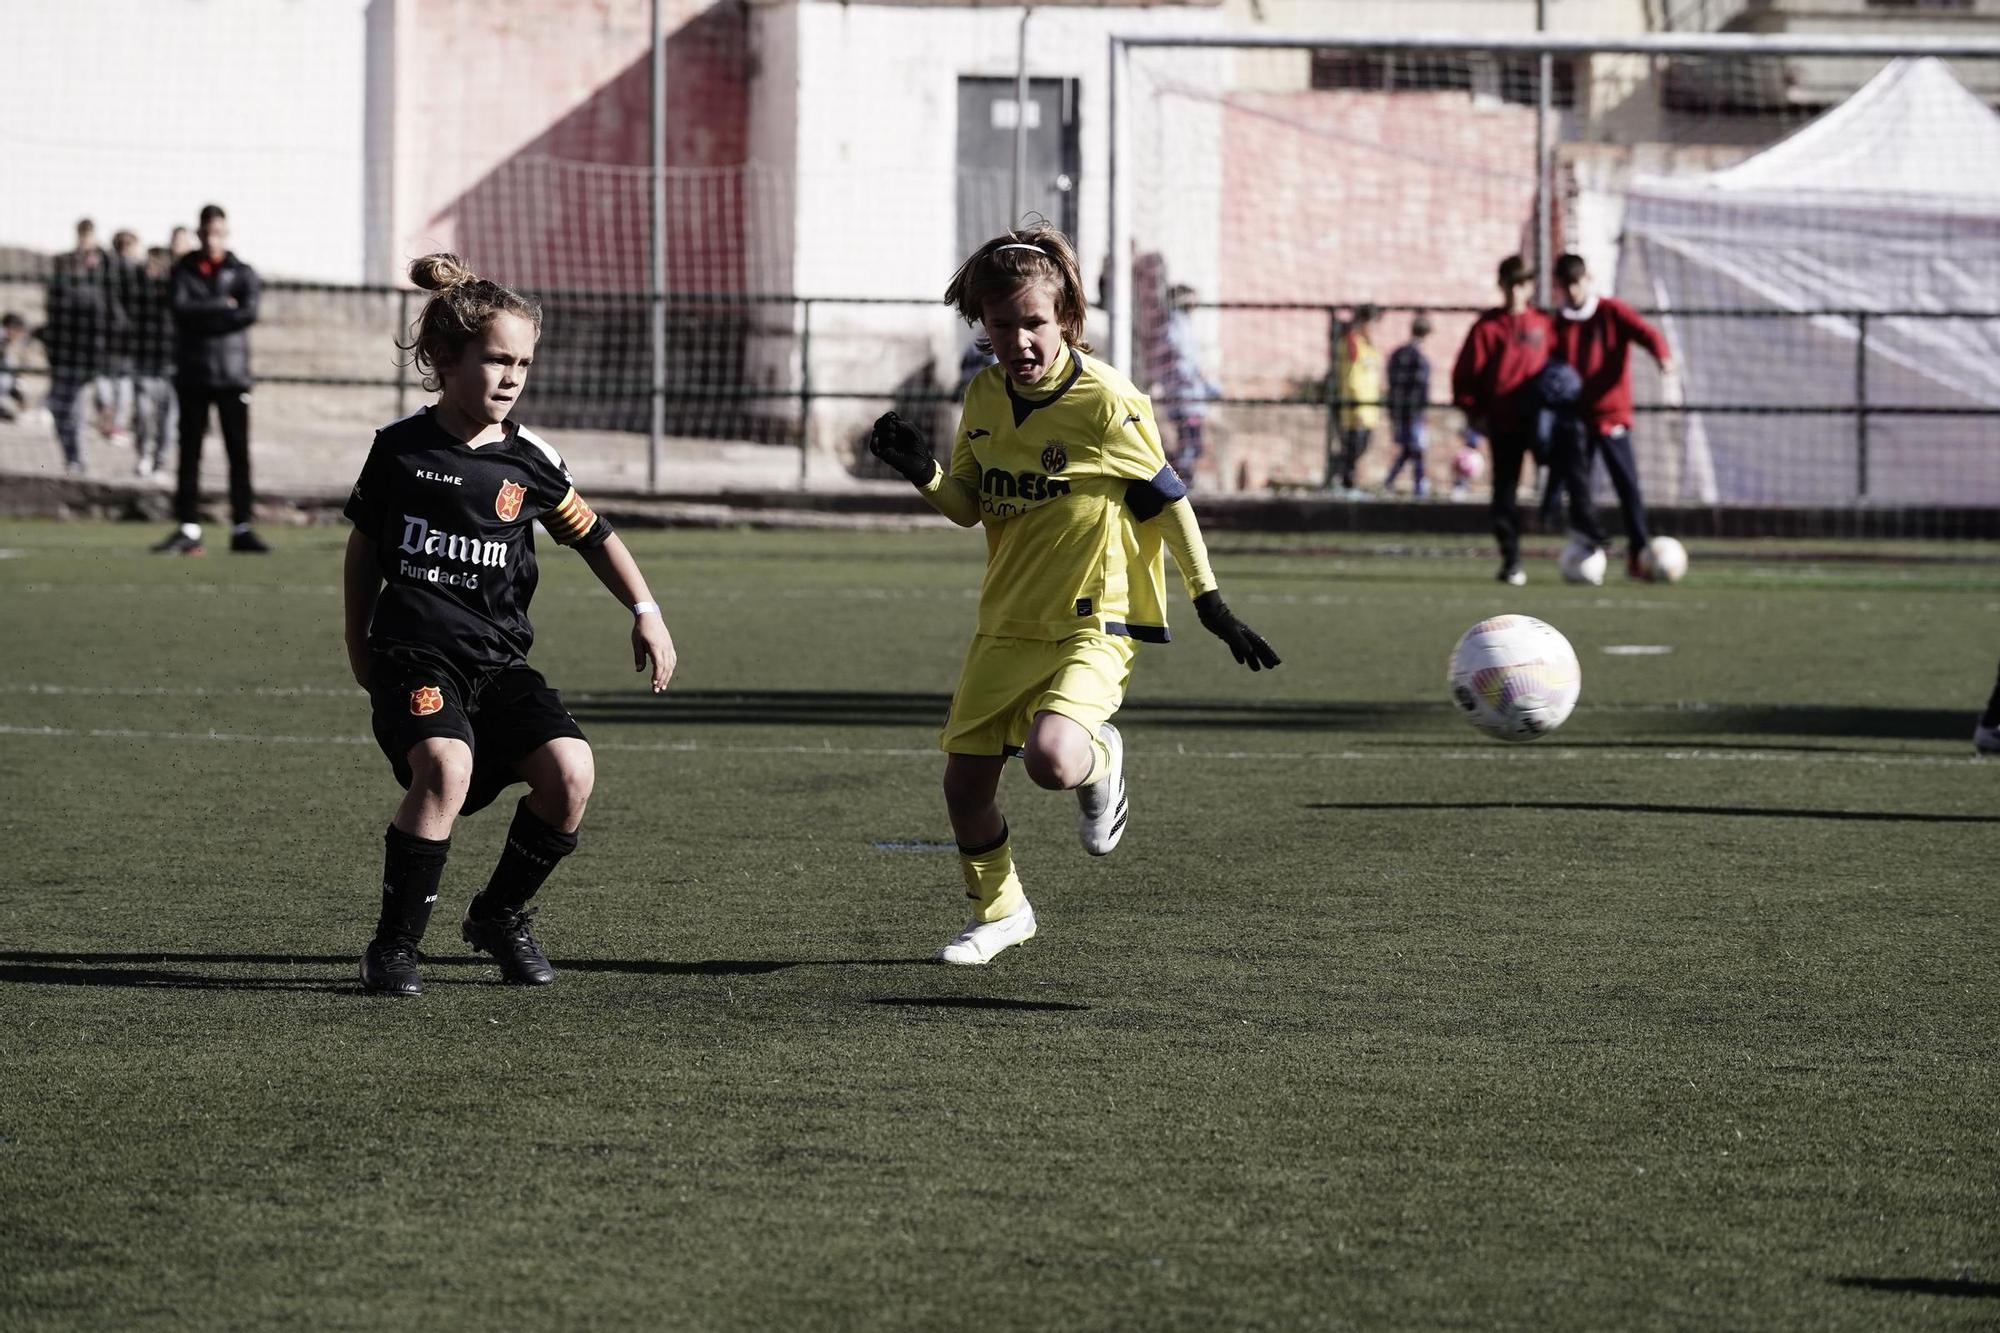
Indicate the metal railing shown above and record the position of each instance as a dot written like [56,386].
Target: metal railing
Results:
[758,366]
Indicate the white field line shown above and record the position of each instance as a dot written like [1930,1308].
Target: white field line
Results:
[52,688]
[1493,754]
[969,593]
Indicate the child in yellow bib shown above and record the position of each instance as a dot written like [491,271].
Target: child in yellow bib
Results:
[1059,458]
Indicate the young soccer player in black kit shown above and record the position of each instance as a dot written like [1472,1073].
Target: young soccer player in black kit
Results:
[440,570]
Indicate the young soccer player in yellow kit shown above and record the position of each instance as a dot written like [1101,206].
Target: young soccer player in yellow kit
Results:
[1058,455]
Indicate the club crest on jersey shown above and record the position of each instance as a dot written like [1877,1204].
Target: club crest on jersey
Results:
[428,699]
[1055,456]
[507,504]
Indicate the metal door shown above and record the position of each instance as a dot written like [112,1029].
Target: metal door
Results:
[986,118]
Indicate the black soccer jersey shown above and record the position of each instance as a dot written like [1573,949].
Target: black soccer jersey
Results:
[453,529]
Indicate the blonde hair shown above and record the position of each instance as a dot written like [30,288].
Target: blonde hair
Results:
[1015,259]
[462,305]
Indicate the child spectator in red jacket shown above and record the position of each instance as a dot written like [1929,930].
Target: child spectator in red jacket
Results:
[1492,383]
[1596,334]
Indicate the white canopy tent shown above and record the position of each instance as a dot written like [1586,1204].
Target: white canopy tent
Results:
[1859,226]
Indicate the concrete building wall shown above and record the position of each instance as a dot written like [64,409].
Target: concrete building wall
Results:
[522,139]
[136,115]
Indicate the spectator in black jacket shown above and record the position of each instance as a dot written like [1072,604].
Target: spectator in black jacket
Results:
[214,300]
[13,341]
[156,409]
[83,313]
[113,389]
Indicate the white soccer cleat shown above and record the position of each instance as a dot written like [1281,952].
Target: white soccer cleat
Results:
[1102,806]
[981,941]
[1985,741]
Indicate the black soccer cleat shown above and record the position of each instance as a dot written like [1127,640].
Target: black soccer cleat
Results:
[389,967]
[505,936]
[247,542]
[178,543]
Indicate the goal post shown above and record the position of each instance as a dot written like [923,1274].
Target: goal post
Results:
[1397,171]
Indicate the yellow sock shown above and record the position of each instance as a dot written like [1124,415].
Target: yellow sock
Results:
[1100,760]
[990,880]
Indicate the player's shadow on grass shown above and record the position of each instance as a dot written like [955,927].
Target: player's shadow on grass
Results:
[163,971]
[884,708]
[979,1002]
[1923,1286]
[1412,718]
[1661,808]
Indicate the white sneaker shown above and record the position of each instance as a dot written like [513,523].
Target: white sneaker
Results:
[1985,741]
[1102,806]
[980,941]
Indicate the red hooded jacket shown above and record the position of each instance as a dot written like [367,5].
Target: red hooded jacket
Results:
[1502,352]
[1598,341]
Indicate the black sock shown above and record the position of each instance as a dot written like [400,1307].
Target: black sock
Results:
[532,850]
[1991,717]
[411,868]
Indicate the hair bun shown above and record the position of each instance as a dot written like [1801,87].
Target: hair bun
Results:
[440,272]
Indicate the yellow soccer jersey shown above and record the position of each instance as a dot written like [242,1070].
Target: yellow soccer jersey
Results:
[1064,476]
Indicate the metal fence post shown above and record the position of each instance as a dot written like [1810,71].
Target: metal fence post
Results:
[402,362]
[1332,392]
[805,384]
[1861,405]
[1545,173]
[656,253]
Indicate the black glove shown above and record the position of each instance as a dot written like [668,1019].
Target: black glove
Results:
[1246,643]
[899,445]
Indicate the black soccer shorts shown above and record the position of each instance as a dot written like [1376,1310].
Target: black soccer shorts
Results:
[504,715]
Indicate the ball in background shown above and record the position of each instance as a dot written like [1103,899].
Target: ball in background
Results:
[1515,677]
[1468,465]
[1663,561]
[1582,562]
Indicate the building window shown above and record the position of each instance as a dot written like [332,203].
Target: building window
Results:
[1504,78]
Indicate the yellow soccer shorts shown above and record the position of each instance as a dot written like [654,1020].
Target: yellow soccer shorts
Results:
[1005,682]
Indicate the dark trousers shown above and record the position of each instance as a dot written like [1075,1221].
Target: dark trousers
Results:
[1509,449]
[232,411]
[1615,448]
[1353,444]
[1188,446]
[1567,482]
[1991,717]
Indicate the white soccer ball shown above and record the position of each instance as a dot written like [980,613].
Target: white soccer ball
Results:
[1663,561]
[1582,562]
[1515,677]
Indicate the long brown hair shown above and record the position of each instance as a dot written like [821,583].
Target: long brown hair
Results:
[1016,259]
[461,306]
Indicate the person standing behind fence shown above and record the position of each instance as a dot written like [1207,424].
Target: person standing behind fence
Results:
[1358,388]
[156,408]
[214,300]
[1182,389]
[1492,383]
[1596,335]
[13,338]
[1986,729]
[1409,399]
[82,308]
[112,393]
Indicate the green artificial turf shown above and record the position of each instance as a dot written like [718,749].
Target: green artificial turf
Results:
[1684,1017]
